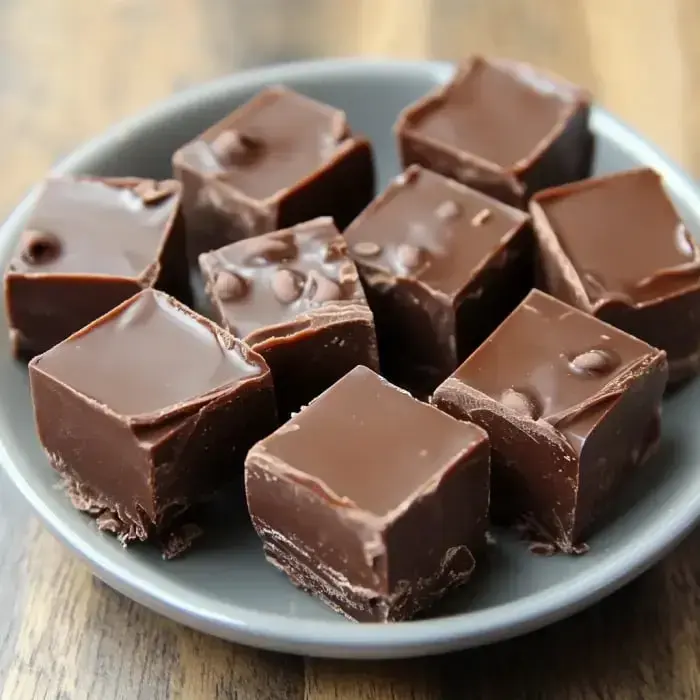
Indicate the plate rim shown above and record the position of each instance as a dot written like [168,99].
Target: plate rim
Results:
[339,638]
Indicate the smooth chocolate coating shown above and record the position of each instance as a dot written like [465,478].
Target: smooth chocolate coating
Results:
[501,127]
[302,306]
[615,247]
[373,501]
[438,283]
[90,244]
[277,161]
[158,407]
[570,403]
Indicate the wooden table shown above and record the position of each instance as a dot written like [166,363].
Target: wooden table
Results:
[69,68]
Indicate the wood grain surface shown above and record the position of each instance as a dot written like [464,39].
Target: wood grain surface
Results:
[69,68]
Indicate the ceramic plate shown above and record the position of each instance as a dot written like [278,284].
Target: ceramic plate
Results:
[225,587]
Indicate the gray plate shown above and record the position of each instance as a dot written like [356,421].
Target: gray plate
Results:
[225,587]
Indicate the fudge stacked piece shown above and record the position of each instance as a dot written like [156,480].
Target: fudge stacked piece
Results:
[535,405]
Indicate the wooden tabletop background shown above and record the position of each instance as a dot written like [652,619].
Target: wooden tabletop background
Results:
[68,69]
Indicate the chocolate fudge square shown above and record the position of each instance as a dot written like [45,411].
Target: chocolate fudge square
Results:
[88,245]
[501,127]
[615,247]
[149,410]
[295,297]
[570,404]
[277,161]
[442,266]
[371,500]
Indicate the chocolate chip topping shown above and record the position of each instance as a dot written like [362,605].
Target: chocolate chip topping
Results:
[39,248]
[481,217]
[286,285]
[520,403]
[366,249]
[409,256]
[152,191]
[234,148]
[322,289]
[263,250]
[229,286]
[449,209]
[593,362]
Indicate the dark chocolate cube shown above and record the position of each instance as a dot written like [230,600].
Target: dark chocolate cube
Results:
[371,500]
[277,161]
[295,297]
[442,266]
[570,404]
[149,410]
[90,244]
[615,247]
[501,127]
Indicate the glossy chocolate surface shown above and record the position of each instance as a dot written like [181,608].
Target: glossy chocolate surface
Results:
[569,403]
[442,265]
[151,357]
[616,247]
[88,245]
[158,407]
[278,160]
[370,499]
[501,127]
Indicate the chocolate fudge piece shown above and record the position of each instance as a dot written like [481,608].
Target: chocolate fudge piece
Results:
[90,244]
[295,297]
[148,410]
[501,127]
[278,160]
[571,405]
[615,247]
[371,500]
[442,266]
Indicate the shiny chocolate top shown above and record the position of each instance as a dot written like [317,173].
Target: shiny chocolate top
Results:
[623,236]
[88,226]
[366,444]
[270,144]
[428,227]
[550,361]
[500,111]
[259,285]
[150,355]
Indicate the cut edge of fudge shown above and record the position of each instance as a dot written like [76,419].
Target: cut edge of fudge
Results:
[174,528]
[538,78]
[464,401]
[290,554]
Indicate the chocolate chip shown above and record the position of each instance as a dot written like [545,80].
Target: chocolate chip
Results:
[366,249]
[481,217]
[593,363]
[520,403]
[407,176]
[263,250]
[152,192]
[335,250]
[449,209]
[321,289]
[233,147]
[409,256]
[229,286]
[286,286]
[39,248]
